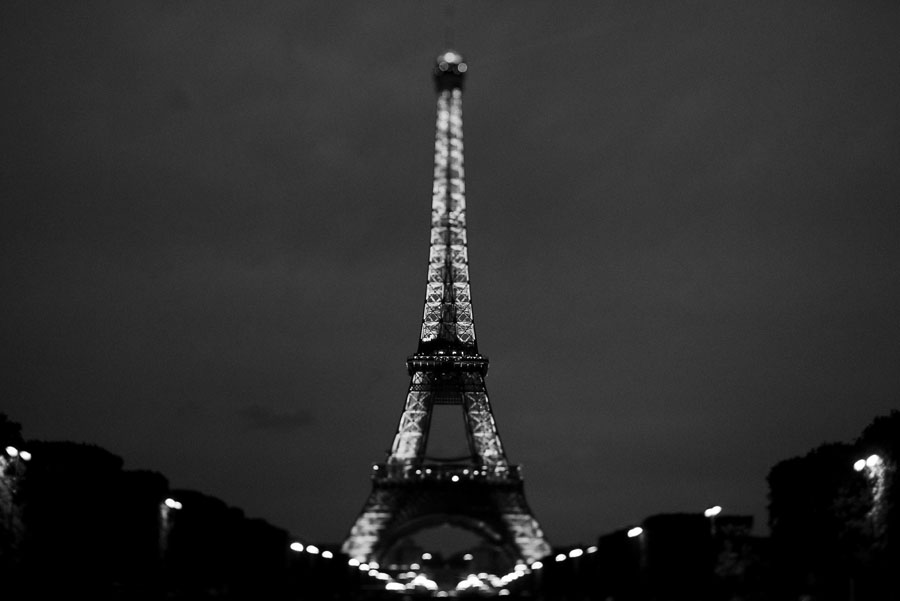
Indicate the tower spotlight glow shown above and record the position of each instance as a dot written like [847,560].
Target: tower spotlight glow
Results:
[713,511]
[636,531]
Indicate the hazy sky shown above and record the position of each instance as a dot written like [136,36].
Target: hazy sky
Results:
[683,224]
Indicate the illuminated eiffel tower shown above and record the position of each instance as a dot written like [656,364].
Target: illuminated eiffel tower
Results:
[480,492]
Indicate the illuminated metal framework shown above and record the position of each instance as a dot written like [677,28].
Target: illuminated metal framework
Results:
[482,491]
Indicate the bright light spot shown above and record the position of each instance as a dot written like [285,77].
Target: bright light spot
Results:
[414,566]
[503,591]
[455,478]
[297,547]
[713,511]
[327,554]
[873,460]
[25,455]
[172,503]
[312,549]
[537,565]
[592,549]
[352,562]
[394,586]
[12,451]
[373,573]
[423,580]
[561,557]
[374,564]
[636,531]
[860,465]
[467,557]
[363,567]
[383,576]
[426,556]
[576,553]
[521,567]
[442,594]
[375,468]
[463,67]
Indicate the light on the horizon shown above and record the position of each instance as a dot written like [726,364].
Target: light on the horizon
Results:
[298,547]
[636,531]
[576,553]
[713,511]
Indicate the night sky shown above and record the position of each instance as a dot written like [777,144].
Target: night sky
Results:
[683,222]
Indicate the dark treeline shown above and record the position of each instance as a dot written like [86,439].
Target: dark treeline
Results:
[75,524]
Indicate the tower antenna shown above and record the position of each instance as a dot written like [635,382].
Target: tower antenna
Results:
[449,17]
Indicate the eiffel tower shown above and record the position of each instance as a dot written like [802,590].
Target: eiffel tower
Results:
[480,492]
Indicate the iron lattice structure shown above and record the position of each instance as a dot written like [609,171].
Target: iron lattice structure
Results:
[481,492]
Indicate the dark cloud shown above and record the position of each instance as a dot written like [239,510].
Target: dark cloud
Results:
[258,417]
[682,232]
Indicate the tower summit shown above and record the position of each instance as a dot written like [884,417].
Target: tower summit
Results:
[412,490]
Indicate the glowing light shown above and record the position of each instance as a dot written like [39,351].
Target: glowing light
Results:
[374,564]
[172,503]
[298,547]
[467,557]
[636,531]
[561,557]
[521,567]
[394,586]
[352,562]
[12,451]
[25,455]
[455,478]
[327,554]
[504,592]
[374,573]
[873,460]
[426,556]
[576,553]
[463,67]
[537,565]
[592,549]
[860,465]
[713,511]
[363,567]
[312,549]
[414,566]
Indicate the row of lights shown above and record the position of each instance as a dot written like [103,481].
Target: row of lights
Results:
[14,452]
[572,554]
[871,462]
